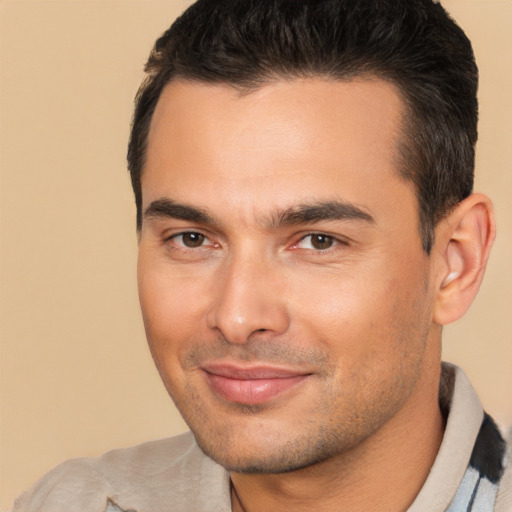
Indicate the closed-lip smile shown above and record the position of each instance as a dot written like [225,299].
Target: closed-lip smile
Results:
[251,385]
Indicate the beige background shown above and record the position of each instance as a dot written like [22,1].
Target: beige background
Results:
[76,377]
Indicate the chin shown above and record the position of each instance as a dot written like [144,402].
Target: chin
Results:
[266,456]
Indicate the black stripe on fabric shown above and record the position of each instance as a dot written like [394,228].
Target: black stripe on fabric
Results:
[489,450]
[473,495]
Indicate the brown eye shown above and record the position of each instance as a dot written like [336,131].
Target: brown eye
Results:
[192,239]
[321,242]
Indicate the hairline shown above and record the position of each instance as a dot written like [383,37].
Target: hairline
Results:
[404,143]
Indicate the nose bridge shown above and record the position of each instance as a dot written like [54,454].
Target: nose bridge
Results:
[247,298]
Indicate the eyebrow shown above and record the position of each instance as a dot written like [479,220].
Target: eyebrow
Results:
[309,213]
[318,212]
[167,208]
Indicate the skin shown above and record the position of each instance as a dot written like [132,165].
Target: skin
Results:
[241,266]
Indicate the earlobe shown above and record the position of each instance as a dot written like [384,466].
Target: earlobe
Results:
[463,243]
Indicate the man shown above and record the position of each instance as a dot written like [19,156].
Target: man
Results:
[303,173]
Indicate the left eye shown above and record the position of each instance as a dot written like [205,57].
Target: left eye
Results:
[190,239]
[317,241]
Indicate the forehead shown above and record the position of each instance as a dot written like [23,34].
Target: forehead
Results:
[286,141]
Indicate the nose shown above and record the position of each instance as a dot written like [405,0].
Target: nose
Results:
[248,298]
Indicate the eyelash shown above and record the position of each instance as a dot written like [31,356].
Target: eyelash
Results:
[334,241]
[182,234]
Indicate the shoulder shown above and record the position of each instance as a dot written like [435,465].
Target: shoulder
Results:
[142,477]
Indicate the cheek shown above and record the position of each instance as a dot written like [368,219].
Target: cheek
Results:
[362,317]
[171,307]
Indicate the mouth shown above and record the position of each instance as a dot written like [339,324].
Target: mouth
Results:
[251,385]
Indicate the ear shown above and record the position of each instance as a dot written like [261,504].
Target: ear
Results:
[463,243]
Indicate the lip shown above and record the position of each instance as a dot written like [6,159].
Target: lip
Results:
[251,385]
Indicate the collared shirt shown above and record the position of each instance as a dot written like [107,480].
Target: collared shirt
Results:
[470,473]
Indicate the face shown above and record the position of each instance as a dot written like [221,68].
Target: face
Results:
[284,289]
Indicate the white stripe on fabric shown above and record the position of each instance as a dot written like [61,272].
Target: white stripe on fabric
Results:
[485,496]
[461,500]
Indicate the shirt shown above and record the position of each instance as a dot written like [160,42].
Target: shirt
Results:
[471,473]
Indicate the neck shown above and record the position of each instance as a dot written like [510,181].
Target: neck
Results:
[385,472]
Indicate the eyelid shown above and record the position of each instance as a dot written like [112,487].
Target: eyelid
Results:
[209,241]
[311,235]
[338,240]
[181,233]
